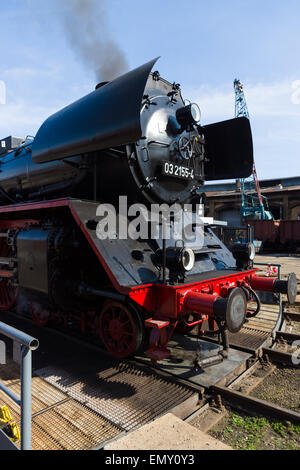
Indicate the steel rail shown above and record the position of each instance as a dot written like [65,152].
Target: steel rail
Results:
[292,316]
[288,337]
[281,357]
[252,404]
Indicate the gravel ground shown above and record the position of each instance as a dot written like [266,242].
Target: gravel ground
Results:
[281,387]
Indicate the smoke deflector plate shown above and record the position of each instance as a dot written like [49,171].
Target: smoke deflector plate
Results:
[109,116]
[228,149]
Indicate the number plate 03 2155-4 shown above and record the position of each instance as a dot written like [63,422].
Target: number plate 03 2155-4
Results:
[178,171]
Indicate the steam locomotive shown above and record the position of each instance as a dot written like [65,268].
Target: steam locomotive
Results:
[137,138]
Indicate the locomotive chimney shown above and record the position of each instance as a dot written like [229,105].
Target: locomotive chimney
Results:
[100,85]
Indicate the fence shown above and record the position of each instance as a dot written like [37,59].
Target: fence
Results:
[27,344]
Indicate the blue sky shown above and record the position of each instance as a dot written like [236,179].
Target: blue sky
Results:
[203,46]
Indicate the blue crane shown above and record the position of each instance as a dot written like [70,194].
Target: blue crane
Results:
[254,205]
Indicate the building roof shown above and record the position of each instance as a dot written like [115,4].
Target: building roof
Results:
[267,186]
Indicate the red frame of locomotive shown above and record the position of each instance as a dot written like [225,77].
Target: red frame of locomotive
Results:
[167,304]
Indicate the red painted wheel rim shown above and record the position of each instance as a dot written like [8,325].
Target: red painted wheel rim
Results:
[118,330]
[8,292]
[39,315]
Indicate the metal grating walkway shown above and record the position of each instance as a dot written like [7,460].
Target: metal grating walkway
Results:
[81,411]
[248,338]
[123,394]
[58,421]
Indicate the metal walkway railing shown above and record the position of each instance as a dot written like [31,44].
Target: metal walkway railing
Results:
[28,344]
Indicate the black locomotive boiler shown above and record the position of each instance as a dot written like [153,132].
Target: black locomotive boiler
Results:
[133,137]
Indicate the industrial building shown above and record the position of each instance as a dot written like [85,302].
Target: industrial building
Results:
[223,200]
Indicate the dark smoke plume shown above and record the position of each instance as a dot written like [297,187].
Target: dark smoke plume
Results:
[86,25]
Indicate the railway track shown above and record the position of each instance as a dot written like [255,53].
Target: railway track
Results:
[237,395]
[187,398]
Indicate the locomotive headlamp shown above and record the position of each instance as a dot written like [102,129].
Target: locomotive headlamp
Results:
[178,259]
[187,259]
[188,115]
[244,253]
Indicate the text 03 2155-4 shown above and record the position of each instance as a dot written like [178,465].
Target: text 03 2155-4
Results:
[178,171]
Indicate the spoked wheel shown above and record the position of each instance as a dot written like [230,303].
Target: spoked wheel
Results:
[39,314]
[8,291]
[121,329]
